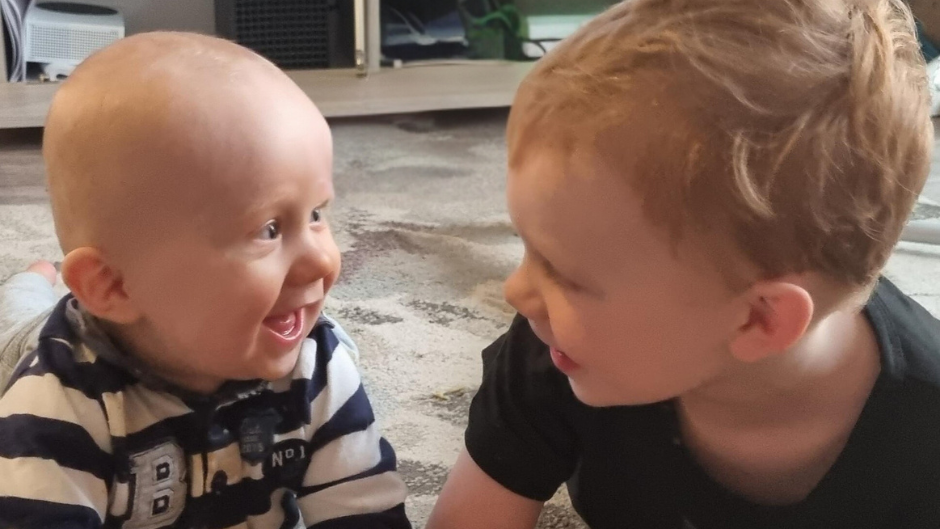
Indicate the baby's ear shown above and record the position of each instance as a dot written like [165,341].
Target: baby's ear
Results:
[777,316]
[98,286]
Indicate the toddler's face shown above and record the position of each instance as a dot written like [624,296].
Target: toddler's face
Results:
[240,277]
[627,319]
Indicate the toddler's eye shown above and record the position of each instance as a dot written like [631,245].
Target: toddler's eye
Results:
[271,231]
[557,278]
[316,216]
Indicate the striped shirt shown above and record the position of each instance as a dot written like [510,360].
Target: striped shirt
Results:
[88,441]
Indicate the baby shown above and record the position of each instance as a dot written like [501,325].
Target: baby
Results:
[190,379]
[707,192]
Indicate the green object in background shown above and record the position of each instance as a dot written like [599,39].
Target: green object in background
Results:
[493,29]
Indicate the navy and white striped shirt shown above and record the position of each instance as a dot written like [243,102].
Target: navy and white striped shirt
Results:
[86,441]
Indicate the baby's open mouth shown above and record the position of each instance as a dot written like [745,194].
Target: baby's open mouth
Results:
[286,325]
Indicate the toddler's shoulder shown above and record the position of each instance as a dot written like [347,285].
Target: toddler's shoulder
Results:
[909,336]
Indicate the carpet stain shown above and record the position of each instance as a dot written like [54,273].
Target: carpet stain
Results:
[423,478]
[366,316]
[443,313]
[452,405]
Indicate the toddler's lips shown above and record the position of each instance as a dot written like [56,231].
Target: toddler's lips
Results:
[562,362]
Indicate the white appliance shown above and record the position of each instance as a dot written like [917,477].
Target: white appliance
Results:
[545,31]
[59,35]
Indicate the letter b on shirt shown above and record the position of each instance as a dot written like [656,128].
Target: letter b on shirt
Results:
[159,485]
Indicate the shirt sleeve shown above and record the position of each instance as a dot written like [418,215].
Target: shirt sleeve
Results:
[518,432]
[351,480]
[55,456]
[26,300]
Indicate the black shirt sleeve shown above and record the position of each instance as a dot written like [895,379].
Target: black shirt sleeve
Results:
[518,432]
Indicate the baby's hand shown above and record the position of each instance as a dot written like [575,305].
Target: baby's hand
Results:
[45,269]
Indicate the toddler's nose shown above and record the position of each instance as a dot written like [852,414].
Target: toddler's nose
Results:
[521,294]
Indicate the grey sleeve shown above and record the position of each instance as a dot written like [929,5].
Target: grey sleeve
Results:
[26,300]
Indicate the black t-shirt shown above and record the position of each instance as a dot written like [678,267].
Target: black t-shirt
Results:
[625,466]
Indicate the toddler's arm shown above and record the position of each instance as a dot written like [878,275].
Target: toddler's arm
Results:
[471,499]
[26,300]
[519,446]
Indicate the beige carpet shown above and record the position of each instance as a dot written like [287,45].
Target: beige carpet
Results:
[421,219]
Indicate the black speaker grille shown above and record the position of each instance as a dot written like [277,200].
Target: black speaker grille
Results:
[290,33]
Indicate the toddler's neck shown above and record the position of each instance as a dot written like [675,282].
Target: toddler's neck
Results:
[771,431]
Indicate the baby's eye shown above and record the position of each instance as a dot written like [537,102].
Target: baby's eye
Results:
[271,231]
[316,216]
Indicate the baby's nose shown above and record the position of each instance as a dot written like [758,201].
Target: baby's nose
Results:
[313,263]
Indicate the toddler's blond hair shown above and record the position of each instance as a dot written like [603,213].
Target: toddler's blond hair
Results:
[800,128]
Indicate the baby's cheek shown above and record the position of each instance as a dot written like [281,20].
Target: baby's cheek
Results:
[261,288]
[337,259]
[330,280]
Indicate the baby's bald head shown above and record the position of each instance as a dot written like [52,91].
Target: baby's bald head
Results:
[145,123]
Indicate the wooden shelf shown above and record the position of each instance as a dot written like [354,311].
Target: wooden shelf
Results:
[24,104]
[413,88]
[340,93]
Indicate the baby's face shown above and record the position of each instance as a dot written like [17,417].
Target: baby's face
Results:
[627,319]
[239,276]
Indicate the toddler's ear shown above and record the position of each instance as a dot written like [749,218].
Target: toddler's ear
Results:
[777,316]
[98,286]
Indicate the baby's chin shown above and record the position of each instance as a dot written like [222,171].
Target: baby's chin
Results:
[274,369]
